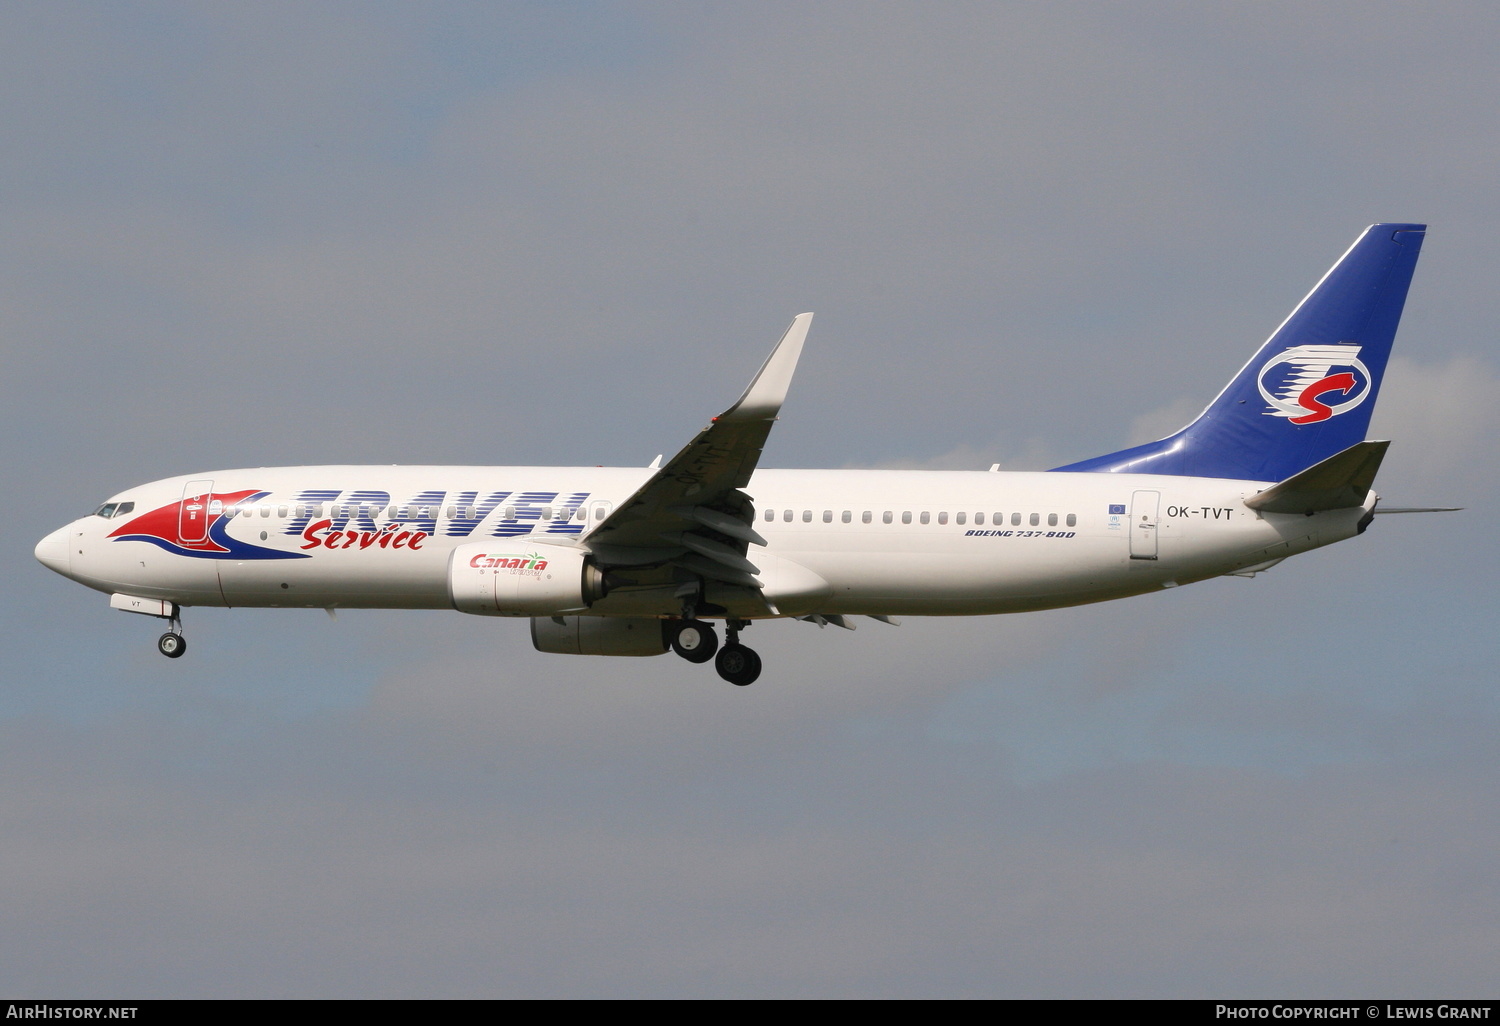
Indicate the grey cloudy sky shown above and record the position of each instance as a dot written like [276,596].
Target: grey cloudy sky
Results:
[241,235]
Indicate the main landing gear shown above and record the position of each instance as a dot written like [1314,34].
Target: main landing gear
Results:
[696,642]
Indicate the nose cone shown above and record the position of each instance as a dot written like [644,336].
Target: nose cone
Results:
[52,551]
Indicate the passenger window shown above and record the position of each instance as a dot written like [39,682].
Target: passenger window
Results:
[885,518]
[599,513]
[580,514]
[978,518]
[866,517]
[942,518]
[848,516]
[1072,520]
[770,515]
[807,516]
[1051,519]
[1015,519]
[926,517]
[906,517]
[828,516]
[546,512]
[265,511]
[281,512]
[786,516]
[1036,518]
[960,518]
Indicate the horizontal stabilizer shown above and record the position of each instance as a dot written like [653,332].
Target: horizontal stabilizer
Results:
[1341,481]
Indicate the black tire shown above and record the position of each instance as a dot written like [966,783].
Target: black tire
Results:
[171,645]
[738,665]
[695,641]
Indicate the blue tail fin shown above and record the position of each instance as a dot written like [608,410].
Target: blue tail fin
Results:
[1309,391]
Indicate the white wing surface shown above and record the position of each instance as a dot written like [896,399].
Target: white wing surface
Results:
[692,512]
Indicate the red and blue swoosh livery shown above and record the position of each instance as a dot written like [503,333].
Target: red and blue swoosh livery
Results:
[162,527]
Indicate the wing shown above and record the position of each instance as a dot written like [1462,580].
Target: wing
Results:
[693,512]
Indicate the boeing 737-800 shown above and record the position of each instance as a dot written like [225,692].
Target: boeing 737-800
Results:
[634,561]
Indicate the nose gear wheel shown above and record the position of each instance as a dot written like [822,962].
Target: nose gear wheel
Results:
[171,645]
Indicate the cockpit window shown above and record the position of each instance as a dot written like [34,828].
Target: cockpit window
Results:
[110,510]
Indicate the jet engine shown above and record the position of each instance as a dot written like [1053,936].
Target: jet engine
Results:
[599,635]
[522,578]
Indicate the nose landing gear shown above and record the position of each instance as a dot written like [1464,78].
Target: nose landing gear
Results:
[172,644]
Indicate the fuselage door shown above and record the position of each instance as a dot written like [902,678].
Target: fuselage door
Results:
[193,516]
[1143,513]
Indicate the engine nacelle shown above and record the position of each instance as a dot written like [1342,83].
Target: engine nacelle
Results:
[599,635]
[522,578]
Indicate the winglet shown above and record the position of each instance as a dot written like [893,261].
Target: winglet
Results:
[763,399]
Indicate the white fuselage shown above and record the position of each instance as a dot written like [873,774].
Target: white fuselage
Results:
[838,541]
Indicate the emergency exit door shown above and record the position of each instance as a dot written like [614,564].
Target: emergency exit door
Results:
[193,516]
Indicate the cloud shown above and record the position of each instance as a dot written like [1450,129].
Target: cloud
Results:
[1147,881]
[1444,422]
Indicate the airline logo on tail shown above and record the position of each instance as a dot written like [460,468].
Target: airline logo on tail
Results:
[1308,384]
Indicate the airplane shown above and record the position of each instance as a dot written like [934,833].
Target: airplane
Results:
[628,561]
